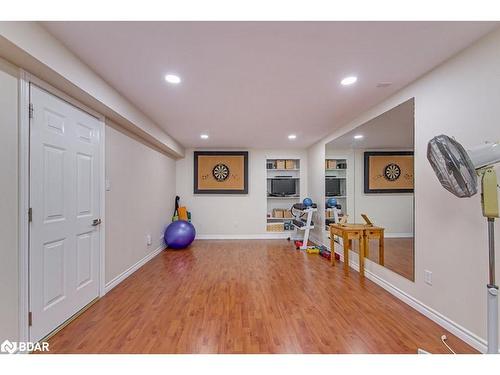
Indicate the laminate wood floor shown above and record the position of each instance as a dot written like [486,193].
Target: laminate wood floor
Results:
[398,255]
[252,296]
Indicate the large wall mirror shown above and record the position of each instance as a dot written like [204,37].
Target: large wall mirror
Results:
[369,171]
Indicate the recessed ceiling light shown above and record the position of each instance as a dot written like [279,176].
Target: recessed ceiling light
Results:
[172,78]
[358,136]
[204,136]
[348,80]
[292,136]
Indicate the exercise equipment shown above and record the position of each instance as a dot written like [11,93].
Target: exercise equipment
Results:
[307,202]
[312,250]
[302,221]
[183,214]
[324,252]
[331,203]
[457,170]
[179,234]
[180,212]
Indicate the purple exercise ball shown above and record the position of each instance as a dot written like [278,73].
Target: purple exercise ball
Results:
[179,234]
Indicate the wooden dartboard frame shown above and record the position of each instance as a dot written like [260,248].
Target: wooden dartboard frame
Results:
[198,185]
[368,174]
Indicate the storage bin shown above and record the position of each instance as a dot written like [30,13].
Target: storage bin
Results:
[275,227]
[278,212]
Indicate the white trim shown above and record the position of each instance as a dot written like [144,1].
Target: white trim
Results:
[260,236]
[61,95]
[25,79]
[315,238]
[399,235]
[129,271]
[24,133]
[102,214]
[462,333]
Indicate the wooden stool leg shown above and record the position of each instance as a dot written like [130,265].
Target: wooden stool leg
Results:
[381,248]
[332,249]
[363,240]
[345,241]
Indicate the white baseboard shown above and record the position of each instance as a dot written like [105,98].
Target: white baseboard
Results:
[259,236]
[314,238]
[398,235]
[462,333]
[118,279]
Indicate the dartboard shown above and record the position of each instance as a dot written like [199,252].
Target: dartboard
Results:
[220,172]
[392,172]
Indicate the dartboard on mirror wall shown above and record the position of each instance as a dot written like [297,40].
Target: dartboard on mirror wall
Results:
[392,172]
[220,172]
[388,172]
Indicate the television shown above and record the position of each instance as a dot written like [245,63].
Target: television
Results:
[283,187]
[332,187]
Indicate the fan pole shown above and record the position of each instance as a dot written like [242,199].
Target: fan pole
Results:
[492,289]
[489,202]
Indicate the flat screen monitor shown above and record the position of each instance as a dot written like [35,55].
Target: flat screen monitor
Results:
[332,187]
[282,187]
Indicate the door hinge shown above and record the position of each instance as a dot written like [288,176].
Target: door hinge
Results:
[30,318]
[31,110]
[30,214]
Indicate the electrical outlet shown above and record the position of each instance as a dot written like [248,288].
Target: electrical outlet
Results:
[148,240]
[428,277]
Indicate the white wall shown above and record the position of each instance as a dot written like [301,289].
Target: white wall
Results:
[32,47]
[9,305]
[460,98]
[140,200]
[316,187]
[226,216]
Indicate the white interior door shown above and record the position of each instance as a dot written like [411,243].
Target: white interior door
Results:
[65,201]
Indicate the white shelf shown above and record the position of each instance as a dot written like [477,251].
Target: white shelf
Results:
[338,174]
[280,202]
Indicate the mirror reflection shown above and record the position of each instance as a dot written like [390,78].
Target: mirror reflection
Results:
[369,184]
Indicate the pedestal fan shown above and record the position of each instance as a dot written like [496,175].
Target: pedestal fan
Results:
[458,171]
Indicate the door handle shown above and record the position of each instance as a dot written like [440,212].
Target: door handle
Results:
[96,222]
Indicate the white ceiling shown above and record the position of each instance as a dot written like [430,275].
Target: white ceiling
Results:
[250,84]
[393,129]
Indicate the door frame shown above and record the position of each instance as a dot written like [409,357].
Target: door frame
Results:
[25,79]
